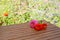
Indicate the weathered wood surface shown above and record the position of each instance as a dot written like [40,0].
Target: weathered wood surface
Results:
[24,32]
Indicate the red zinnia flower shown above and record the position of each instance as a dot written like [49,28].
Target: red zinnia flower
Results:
[39,27]
[44,26]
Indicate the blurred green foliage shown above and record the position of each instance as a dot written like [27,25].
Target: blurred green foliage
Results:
[21,11]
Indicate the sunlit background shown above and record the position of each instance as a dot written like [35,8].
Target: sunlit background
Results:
[21,11]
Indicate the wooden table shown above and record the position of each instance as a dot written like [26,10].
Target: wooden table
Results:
[24,32]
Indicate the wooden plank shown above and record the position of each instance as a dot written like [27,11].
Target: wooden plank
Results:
[24,32]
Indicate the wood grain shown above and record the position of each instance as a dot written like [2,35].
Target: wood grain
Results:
[24,32]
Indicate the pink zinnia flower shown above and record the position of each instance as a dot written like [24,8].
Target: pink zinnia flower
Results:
[33,22]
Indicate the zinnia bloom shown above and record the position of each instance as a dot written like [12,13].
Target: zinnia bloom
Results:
[33,22]
[44,26]
[5,14]
[39,27]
